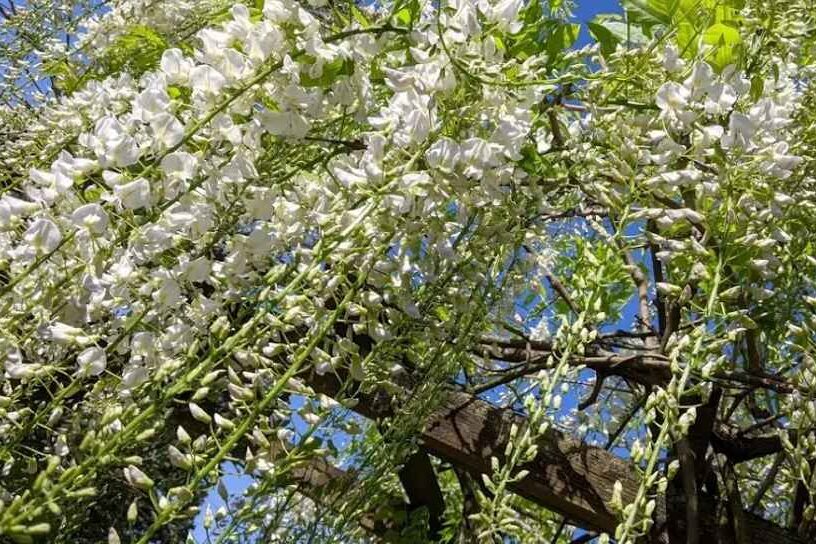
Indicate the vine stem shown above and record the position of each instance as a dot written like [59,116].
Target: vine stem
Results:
[664,428]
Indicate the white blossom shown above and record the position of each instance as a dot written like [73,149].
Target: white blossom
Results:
[297,189]
[167,130]
[286,123]
[43,235]
[179,165]
[176,66]
[113,145]
[206,80]
[91,361]
[133,195]
[92,217]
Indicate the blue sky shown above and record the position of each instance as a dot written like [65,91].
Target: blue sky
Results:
[587,9]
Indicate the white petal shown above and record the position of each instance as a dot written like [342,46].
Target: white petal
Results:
[43,235]
[179,165]
[92,217]
[206,79]
[92,361]
[176,66]
[285,123]
[133,195]
[167,129]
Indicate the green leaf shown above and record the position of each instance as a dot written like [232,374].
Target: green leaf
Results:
[687,37]
[562,38]
[620,30]
[528,42]
[63,75]
[663,9]
[360,17]
[442,313]
[137,51]
[757,87]
[532,13]
[407,13]
[92,193]
[571,33]
[725,14]
[331,71]
[721,34]
[689,11]
[605,38]
[256,15]
[650,12]
[499,43]
[403,16]
[726,40]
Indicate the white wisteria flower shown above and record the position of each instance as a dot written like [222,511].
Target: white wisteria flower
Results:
[673,101]
[63,333]
[210,205]
[13,209]
[285,123]
[167,130]
[133,195]
[179,165]
[43,235]
[92,217]
[112,143]
[92,361]
[176,66]
[206,80]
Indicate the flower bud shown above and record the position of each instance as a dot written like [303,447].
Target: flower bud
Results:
[133,512]
[198,413]
[137,478]
[220,327]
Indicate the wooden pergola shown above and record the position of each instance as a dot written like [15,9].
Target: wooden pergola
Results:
[567,476]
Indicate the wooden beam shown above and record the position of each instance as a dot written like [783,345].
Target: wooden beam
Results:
[317,479]
[418,479]
[323,483]
[567,476]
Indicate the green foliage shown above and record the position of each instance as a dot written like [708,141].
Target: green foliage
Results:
[595,277]
[449,218]
[138,50]
[360,17]
[63,74]
[541,34]
[405,13]
[650,13]
[612,29]
[329,74]
[690,24]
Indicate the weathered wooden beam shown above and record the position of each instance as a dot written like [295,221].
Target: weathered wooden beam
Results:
[323,483]
[745,448]
[418,479]
[567,476]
